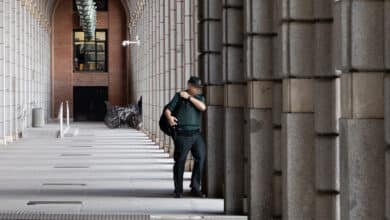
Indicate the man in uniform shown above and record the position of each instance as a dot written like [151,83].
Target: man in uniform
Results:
[187,106]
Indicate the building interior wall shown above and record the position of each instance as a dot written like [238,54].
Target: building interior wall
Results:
[64,78]
[24,65]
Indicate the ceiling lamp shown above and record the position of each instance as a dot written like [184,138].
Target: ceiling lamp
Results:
[87,11]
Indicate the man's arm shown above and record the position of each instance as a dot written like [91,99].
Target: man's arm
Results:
[199,104]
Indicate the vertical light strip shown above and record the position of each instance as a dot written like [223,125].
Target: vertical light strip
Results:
[2,50]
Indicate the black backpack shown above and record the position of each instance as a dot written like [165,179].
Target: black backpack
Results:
[163,122]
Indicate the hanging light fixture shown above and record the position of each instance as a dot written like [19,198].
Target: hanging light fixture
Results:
[87,12]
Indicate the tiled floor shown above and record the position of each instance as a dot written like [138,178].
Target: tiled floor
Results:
[100,170]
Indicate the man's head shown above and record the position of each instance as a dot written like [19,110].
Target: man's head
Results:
[194,85]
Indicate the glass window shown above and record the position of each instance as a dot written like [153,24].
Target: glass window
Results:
[90,55]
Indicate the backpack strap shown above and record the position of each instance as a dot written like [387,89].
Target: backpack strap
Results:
[179,104]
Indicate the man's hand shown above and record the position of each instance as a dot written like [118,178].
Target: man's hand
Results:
[172,120]
[184,94]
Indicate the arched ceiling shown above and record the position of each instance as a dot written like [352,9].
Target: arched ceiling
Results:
[43,10]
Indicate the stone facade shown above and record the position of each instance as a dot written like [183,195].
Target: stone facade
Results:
[24,64]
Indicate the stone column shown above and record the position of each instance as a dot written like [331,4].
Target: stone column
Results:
[188,35]
[195,37]
[167,72]
[2,72]
[150,65]
[154,73]
[11,79]
[159,72]
[361,34]
[387,104]
[173,60]
[7,72]
[24,59]
[162,70]
[18,67]
[277,98]
[298,164]
[180,81]
[258,62]
[187,55]
[210,70]
[235,96]
[327,114]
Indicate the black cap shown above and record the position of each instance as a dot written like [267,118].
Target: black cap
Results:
[194,80]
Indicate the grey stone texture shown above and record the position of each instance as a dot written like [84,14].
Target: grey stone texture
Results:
[260,157]
[387,34]
[327,105]
[258,16]
[362,169]
[277,197]
[232,64]
[327,151]
[323,9]
[277,143]
[298,49]
[387,107]
[323,50]
[211,34]
[298,95]
[210,64]
[232,23]
[260,94]
[297,9]
[387,183]
[277,103]
[214,137]
[362,95]
[367,37]
[298,166]
[233,160]
[258,54]
[327,207]
[210,9]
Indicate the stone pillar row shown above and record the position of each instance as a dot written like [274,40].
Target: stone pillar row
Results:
[362,139]
[210,70]
[297,125]
[259,143]
[233,78]
[164,61]
[387,102]
[326,113]
[24,64]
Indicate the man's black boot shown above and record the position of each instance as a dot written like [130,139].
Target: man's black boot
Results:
[197,193]
[178,195]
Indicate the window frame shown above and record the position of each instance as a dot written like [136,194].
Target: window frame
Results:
[96,51]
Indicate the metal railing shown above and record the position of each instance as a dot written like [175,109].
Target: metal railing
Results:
[62,131]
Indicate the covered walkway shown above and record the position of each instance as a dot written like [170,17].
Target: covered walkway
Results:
[98,171]
[297,125]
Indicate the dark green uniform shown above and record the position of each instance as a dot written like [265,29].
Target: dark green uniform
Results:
[188,115]
[187,138]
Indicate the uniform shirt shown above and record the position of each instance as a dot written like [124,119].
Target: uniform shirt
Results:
[188,116]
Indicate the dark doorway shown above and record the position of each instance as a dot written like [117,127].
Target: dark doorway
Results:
[89,103]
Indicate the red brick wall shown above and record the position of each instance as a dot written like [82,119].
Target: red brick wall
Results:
[114,20]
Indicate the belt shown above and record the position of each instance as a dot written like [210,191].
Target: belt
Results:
[182,132]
